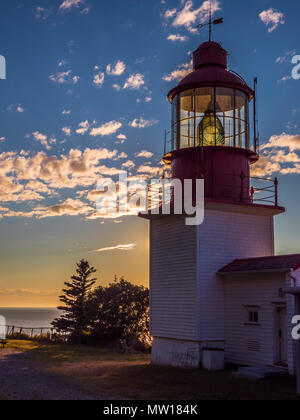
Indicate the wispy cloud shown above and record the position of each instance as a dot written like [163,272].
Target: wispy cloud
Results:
[66,131]
[286,58]
[99,79]
[128,247]
[142,123]
[116,70]
[281,154]
[83,127]
[64,77]
[42,13]
[170,13]
[41,138]
[144,154]
[70,4]
[106,129]
[179,73]
[134,82]
[177,38]
[16,108]
[188,17]
[272,18]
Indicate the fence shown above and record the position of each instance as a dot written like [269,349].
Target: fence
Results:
[29,331]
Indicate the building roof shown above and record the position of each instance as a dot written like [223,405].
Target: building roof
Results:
[248,265]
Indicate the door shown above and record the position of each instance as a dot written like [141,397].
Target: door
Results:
[282,336]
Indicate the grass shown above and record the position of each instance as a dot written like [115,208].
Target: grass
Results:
[105,373]
[64,353]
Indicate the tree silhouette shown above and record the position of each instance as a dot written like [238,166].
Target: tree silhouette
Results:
[118,310]
[74,319]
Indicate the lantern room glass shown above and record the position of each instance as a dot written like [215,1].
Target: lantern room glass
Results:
[210,116]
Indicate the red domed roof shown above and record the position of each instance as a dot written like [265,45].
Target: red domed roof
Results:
[210,70]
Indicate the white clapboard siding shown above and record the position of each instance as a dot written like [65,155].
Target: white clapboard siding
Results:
[246,344]
[187,296]
[173,279]
[224,237]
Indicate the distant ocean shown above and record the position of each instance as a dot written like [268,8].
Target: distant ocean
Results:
[29,317]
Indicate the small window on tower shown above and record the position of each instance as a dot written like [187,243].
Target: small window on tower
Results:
[252,315]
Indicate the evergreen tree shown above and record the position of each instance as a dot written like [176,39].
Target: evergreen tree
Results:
[74,320]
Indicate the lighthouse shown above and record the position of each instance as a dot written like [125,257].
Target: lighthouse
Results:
[216,289]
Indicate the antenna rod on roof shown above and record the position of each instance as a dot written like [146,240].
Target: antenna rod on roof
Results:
[211,22]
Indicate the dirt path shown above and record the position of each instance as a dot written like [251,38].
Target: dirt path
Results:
[24,379]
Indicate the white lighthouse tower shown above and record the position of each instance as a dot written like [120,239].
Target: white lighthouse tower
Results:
[190,301]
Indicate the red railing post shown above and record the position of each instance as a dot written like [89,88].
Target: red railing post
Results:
[276,191]
[252,192]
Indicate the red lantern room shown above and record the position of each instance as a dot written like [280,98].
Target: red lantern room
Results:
[210,127]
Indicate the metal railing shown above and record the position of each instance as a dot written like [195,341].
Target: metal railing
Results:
[247,190]
[266,193]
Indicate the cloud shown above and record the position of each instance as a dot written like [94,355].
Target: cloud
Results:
[188,17]
[66,112]
[64,78]
[128,165]
[16,108]
[106,129]
[147,169]
[144,154]
[182,71]
[279,155]
[2,138]
[42,13]
[170,13]
[272,18]
[128,247]
[142,123]
[177,37]
[285,79]
[116,87]
[24,177]
[99,79]
[66,130]
[68,208]
[41,138]
[117,70]
[27,292]
[83,127]
[134,82]
[283,140]
[69,4]
[286,58]
[121,137]
[20,109]
[62,63]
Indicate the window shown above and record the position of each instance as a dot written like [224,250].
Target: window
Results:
[252,315]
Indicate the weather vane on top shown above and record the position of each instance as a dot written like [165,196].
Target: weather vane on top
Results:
[211,23]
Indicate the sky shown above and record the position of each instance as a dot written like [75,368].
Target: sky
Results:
[85,97]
